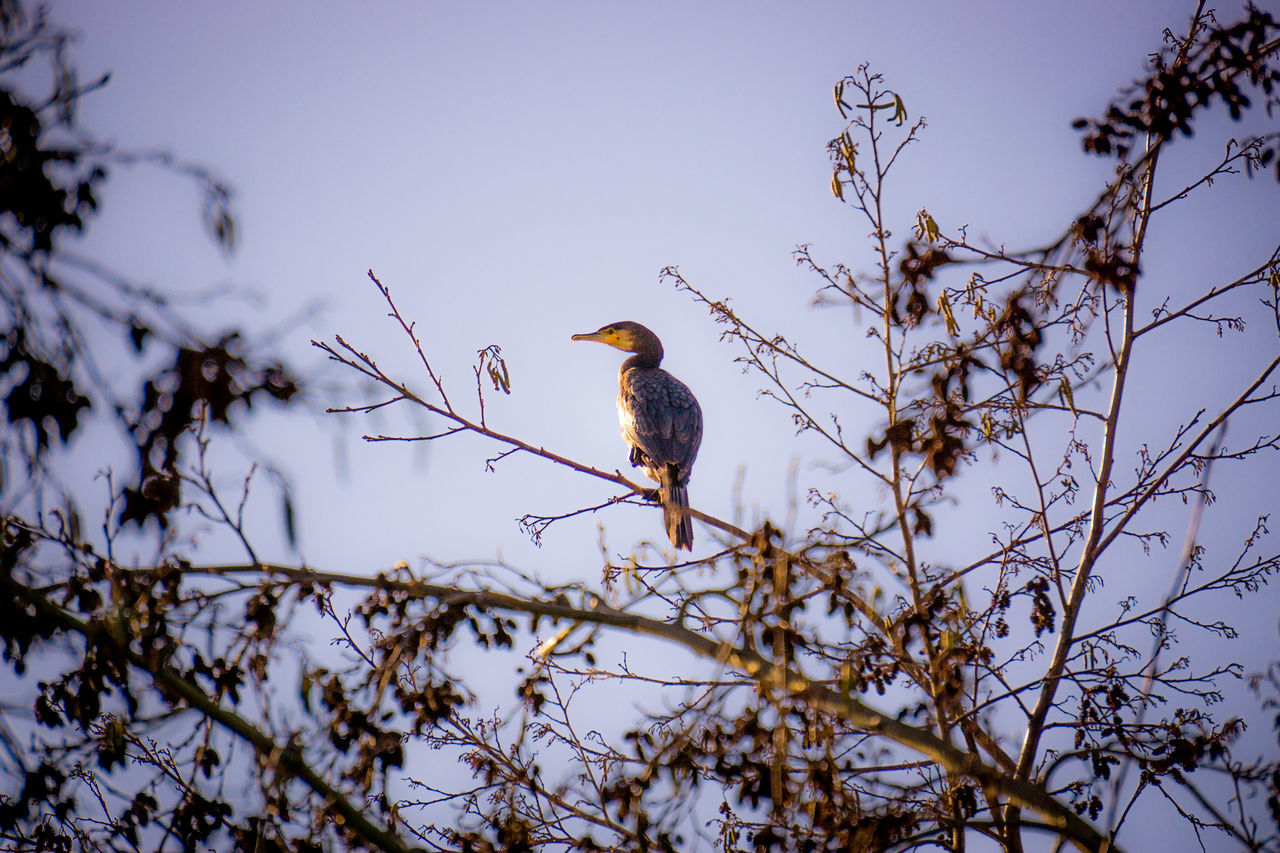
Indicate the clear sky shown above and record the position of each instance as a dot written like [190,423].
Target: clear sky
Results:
[518,172]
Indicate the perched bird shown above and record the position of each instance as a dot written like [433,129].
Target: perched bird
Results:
[661,421]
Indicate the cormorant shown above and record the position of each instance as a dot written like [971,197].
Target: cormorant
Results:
[660,418]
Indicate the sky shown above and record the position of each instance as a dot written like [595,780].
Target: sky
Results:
[519,172]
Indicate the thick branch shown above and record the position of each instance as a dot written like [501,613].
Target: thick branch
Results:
[836,702]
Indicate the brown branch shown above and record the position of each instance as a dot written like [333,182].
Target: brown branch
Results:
[744,659]
[1251,277]
[1182,458]
[364,364]
[1080,585]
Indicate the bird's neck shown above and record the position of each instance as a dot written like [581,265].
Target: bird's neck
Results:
[641,359]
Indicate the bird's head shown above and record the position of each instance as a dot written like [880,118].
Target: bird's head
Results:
[626,336]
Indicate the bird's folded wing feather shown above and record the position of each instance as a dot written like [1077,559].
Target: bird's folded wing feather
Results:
[660,416]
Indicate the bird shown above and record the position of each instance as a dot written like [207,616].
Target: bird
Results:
[661,421]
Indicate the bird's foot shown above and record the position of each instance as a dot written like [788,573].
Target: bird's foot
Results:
[652,495]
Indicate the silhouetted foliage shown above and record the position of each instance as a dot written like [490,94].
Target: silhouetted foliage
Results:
[51,172]
[202,383]
[54,392]
[1219,64]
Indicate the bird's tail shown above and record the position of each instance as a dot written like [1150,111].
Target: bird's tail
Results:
[675,500]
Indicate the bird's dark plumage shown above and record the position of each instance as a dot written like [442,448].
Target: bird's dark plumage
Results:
[660,419]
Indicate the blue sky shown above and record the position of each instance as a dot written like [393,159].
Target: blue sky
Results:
[518,172]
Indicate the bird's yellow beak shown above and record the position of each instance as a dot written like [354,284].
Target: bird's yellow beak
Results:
[601,337]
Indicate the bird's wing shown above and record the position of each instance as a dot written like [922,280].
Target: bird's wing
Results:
[660,415]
